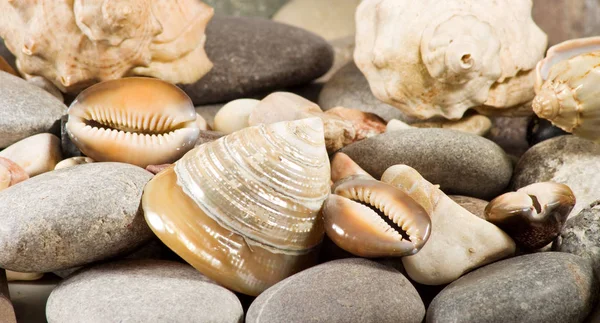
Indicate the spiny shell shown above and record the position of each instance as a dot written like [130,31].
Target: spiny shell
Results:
[533,215]
[567,87]
[243,209]
[80,42]
[430,57]
[140,121]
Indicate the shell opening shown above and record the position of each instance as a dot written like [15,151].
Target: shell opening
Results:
[394,222]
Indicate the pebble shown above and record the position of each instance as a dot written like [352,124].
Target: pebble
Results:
[37,154]
[209,112]
[331,19]
[347,290]
[510,133]
[581,236]
[29,298]
[253,56]
[461,163]
[566,159]
[474,205]
[350,89]
[233,116]
[567,19]
[26,110]
[544,287]
[251,8]
[73,161]
[141,291]
[71,217]
[47,86]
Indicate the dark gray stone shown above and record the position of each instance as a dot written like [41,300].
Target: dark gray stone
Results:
[73,216]
[26,110]
[348,290]
[544,287]
[142,291]
[581,236]
[251,8]
[67,147]
[568,160]
[510,133]
[253,56]
[349,88]
[461,163]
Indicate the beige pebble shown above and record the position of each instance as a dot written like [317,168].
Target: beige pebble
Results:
[18,276]
[234,115]
[397,125]
[36,154]
[5,177]
[73,161]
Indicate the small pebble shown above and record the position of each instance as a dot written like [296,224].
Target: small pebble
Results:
[69,162]
[37,154]
[233,116]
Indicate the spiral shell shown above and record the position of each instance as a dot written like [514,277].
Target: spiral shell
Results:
[431,58]
[77,43]
[567,87]
[136,120]
[243,209]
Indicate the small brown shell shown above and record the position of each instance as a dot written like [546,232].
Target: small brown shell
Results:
[353,221]
[141,121]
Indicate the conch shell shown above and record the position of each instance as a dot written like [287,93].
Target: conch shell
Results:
[244,209]
[567,87]
[77,43]
[439,58]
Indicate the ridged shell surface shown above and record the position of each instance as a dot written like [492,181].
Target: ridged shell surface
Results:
[244,209]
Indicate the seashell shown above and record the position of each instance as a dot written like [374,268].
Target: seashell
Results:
[459,240]
[431,58]
[234,115]
[566,87]
[73,161]
[244,209]
[366,124]
[140,121]
[533,215]
[10,173]
[77,43]
[155,169]
[369,218]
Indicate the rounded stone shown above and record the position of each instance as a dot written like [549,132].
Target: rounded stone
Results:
[581,235]
[253,56]
[349,88]
[141,291]
[73,216]
[347,290]
[474,205]
[26,110]
[544,287]
[250,8]
[461,163]
[567,19]
[568,160]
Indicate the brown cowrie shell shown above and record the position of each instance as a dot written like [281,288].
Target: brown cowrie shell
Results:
[353,220]
[10,173]
[140,121]
[533,215]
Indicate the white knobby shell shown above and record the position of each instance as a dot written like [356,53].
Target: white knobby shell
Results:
[77,43]
[567,87]
[430,58]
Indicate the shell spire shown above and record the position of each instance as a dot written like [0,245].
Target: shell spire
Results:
[244,209]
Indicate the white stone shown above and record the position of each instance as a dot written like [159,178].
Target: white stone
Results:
[234,115]
[36,154]
[69,162]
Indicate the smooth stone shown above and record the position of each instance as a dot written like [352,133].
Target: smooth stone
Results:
[26,110]
[73,161]
[349,88]
[73,216]
[474,205]
[29,298]
[544,287]
[331,19]
[510,133]
[461,163]
[562,20]
[37,154]
[47,86]
[142,291]
[347,290]
[539,130]
[233,116]
[253,56]
[251,8]
[568,160]
[581,236]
